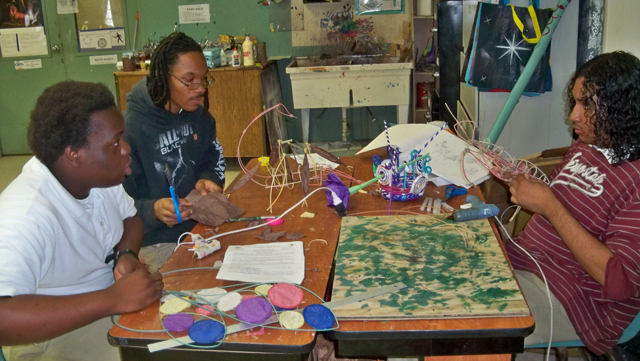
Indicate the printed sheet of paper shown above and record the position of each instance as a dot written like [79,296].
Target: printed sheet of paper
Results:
[194,14]
[316,159]
[264,263]
[23,42]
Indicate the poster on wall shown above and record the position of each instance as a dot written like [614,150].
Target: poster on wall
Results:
[20,14]
[22,28]
[378,7]
[23,42]
[104,39]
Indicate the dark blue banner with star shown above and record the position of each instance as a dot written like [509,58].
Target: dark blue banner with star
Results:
[500,52]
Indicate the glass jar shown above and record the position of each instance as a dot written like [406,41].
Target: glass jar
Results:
[128,62]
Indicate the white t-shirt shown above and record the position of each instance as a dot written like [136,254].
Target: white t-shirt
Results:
[52,243]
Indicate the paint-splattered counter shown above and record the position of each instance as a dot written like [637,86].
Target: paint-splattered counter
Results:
[350,81]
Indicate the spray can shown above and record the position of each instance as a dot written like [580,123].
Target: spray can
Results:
[247,52]
[223,57]
[236,58]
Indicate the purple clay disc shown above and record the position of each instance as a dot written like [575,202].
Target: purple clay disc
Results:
[178,322]
[254,310]
[206,332]
[318,317]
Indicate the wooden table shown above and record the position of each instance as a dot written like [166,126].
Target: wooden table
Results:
[498,335]
[274,344]
[470,336]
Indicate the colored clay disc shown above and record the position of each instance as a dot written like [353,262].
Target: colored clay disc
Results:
[246,297]
[318,317]
[206,332]
[285,295]
[178,322]
[254,310]
[174,305]
[212,295]
[291,319]
[167,297]
[262,290]
[205,310]
[229,301]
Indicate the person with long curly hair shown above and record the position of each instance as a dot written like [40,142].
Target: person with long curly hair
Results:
[169,128]
[585,232]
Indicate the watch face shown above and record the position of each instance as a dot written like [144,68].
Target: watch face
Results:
[102,43]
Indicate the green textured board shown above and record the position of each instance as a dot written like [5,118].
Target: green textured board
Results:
[446,276]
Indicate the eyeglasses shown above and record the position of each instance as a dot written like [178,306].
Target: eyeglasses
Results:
[195,86]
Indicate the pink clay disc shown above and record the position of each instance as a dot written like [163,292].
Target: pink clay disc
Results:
[285,295]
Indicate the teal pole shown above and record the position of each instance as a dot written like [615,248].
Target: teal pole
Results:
[521,83]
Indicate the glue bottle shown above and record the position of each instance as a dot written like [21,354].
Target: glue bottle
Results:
[247,52]
[236,58]
[223,57]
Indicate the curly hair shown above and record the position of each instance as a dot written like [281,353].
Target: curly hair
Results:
[611,94]
[164,57]
[62,117]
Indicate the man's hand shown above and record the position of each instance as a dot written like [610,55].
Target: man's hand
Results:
[205,186]
[165,211]
[533,195]
[135,290]
[126,264]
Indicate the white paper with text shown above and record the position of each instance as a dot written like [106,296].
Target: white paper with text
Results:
[264,263]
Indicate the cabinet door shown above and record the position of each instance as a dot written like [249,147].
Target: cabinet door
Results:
[124,82]
[235,98]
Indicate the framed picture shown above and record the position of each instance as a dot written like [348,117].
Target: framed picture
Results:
[373,7]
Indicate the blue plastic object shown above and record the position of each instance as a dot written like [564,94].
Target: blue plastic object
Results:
[452,191]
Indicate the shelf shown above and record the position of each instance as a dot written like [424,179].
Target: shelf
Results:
[423,16]
[424,72]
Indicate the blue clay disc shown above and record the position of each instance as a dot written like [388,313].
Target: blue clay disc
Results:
[206,332]
[318,317]
[254,310]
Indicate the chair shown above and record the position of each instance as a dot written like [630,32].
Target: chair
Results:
[561,352]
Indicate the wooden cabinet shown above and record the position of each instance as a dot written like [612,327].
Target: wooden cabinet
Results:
[236,97]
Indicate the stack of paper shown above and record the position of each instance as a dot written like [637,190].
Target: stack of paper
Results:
[446,151]
[264,263]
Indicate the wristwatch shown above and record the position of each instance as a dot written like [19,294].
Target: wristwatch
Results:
[120,253]
[114,256]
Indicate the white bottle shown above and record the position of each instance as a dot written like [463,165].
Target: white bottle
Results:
[223,57]
[236,58]
[247,52]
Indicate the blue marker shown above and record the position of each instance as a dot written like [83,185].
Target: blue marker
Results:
[174,197]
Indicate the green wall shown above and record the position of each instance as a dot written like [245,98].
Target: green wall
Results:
[20,89]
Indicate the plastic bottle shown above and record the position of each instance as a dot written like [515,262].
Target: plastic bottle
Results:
[236,58]
[223,57]
[247,52]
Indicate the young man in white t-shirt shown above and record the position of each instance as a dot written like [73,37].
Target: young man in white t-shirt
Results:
[69,234]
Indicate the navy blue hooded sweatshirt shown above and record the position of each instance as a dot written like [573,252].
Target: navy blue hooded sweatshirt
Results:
[186,142]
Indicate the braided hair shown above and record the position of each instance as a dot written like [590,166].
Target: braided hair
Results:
[164,57]
[611,92]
